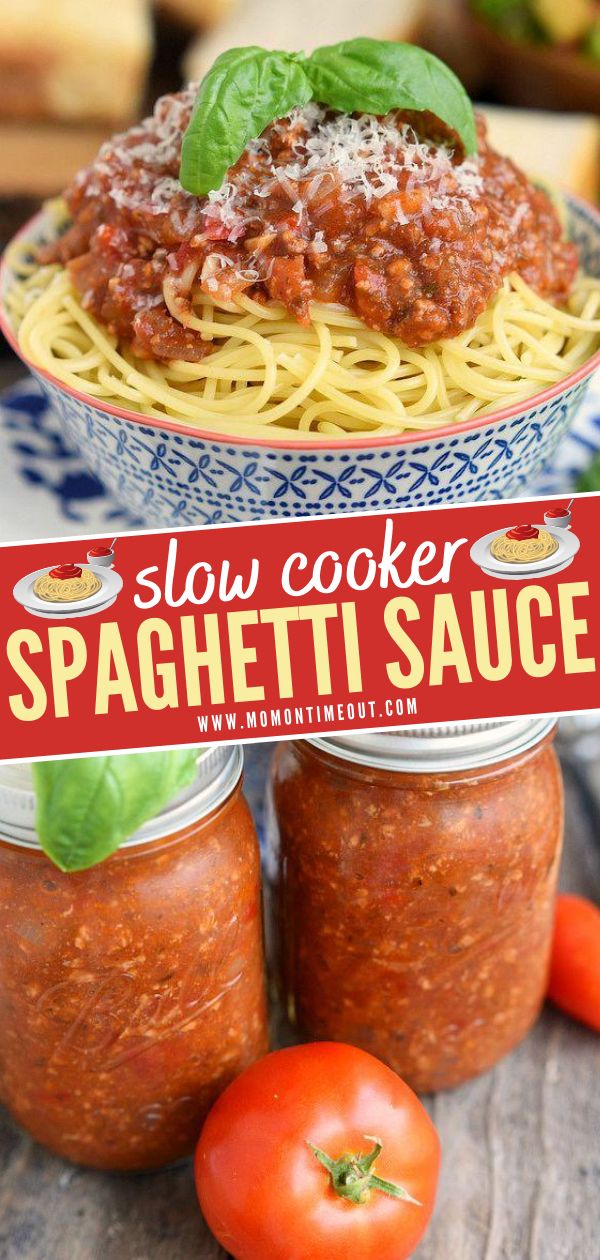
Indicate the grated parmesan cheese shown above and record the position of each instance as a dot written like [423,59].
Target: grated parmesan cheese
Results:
[312,158]
[410,237]
[368,156]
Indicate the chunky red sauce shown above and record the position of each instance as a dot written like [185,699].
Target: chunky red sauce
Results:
[522,533]
[99,551]
[414,912]
[64,572]
[557,511]
[375,213]
[132,993]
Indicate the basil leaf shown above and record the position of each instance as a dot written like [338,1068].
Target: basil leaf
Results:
[246,89]
[88,806]
[373,76]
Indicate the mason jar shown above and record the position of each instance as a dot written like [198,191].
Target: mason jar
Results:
[132,993]
[413,878]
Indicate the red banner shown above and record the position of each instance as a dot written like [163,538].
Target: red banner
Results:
[246,632]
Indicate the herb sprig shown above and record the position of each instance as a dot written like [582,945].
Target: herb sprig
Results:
[248,88]
[87,807]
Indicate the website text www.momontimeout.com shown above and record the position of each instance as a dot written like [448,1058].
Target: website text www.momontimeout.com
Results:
[307,716]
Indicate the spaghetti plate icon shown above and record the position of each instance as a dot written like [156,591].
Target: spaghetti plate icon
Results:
[65,591]
[522,552]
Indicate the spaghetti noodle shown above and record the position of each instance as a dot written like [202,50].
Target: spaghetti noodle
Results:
[266,373]
[524,550]
[66,585]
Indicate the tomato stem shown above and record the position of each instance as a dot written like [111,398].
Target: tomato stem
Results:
[352,1177]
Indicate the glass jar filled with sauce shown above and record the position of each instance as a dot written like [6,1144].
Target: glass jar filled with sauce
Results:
[131,993]
[413,878]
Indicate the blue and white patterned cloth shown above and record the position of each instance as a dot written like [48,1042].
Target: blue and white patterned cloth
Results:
[46,491]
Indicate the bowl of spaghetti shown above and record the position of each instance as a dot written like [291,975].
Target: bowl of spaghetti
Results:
[360,316]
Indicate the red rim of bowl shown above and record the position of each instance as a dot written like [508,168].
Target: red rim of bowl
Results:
[278,443]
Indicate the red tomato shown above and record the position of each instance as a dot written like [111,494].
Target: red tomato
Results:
[267,1195]
[575,967]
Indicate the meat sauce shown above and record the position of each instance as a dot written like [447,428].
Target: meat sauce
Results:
[378,214]
[131,994]
[414,911]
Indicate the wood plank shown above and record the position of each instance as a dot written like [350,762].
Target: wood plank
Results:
[50,1211]
[521,1170]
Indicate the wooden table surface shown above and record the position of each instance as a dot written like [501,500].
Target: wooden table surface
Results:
[521,1146]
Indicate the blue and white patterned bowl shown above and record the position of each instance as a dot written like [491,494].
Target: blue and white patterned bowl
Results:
[169,474]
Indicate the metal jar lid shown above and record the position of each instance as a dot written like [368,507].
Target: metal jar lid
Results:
[218,771]
[430,749]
